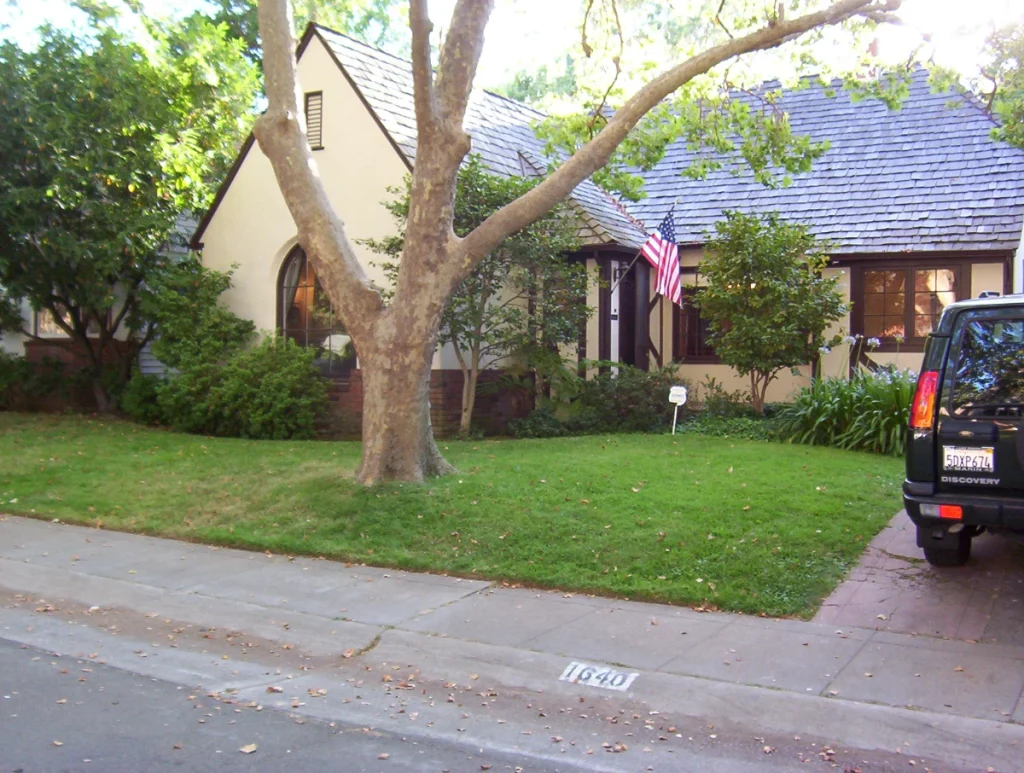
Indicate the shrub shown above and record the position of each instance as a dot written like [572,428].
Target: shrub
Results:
[272,391]
[14,373]
[718,401]
[631,401]
[21,380]
[140,399]
[868,412]
[541,423]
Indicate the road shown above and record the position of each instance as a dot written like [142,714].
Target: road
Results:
[59,713]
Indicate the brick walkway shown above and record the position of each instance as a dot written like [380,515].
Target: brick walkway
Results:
[894,589]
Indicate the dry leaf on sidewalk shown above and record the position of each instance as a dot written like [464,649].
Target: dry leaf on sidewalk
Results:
[249,748]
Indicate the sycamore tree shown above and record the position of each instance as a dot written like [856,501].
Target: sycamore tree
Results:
[396,340]
[525,299]
[767,303]
[105,143]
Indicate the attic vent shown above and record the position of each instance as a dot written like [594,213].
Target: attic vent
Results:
[315,119]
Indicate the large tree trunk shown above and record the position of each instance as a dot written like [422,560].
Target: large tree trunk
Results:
[398,440]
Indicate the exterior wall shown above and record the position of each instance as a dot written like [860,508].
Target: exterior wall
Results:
[986,276]
[14,343]
[252,226]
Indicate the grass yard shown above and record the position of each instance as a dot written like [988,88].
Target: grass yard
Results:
[728,524]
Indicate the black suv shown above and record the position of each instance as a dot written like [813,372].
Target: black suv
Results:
[965,450]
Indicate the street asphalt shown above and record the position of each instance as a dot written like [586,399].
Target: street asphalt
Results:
[457,665]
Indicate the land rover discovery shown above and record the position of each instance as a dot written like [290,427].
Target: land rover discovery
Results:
[965,450]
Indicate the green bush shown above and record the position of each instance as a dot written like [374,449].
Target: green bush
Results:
[272,391]
[633,400]
[716,400]
[14,374]
[21,380]
[140,399]
[867,412]
[541,423]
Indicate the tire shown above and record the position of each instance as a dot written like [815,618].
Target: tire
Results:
[954,556]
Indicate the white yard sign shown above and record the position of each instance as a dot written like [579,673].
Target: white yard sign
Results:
[597,676]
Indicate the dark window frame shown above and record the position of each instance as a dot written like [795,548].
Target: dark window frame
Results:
[687,347]
[318,97]
[911,343]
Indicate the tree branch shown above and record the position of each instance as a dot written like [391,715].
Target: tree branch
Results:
[460,55]
[422,70]
[281,133]
[595,153]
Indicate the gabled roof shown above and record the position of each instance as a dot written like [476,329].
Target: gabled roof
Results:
[501,130]
[927,177]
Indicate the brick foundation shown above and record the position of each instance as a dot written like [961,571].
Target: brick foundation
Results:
[491,414]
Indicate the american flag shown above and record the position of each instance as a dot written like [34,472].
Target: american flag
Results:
[661,252]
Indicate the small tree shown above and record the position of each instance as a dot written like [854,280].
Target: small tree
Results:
[766,301]
[104,144]
[526,299]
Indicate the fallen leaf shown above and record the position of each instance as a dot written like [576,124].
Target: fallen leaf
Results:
[58,743]
[249,748]
[274,688]
[383,756]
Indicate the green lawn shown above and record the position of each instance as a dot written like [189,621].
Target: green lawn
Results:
[729,524]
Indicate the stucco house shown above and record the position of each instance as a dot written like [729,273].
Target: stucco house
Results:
[922,206]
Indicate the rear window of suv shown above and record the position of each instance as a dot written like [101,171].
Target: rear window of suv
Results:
[989,370]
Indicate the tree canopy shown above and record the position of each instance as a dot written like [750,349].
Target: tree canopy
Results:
[767,303]
[373,21]
[106,143]
[1004,78]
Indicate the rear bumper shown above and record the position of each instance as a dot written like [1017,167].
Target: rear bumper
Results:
[994,512]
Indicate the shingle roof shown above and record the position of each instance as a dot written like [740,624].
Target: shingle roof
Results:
[501,130]
[927,177]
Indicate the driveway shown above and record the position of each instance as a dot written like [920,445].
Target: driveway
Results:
[894,589]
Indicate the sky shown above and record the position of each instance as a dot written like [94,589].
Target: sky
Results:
[523,34]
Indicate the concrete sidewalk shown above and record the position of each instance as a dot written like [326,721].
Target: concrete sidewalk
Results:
[945,700]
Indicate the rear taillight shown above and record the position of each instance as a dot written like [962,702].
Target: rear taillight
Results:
[922,413]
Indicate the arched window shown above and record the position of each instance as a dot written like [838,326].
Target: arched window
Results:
[304,314]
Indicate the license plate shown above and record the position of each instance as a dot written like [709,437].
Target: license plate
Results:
[969,459]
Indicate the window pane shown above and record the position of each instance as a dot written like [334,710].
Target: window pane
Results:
[893,326]
[989,368]
[873,304]
[895,281]
[873,327]
[934,289]
[894,304]
[874,281]
[47,327]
